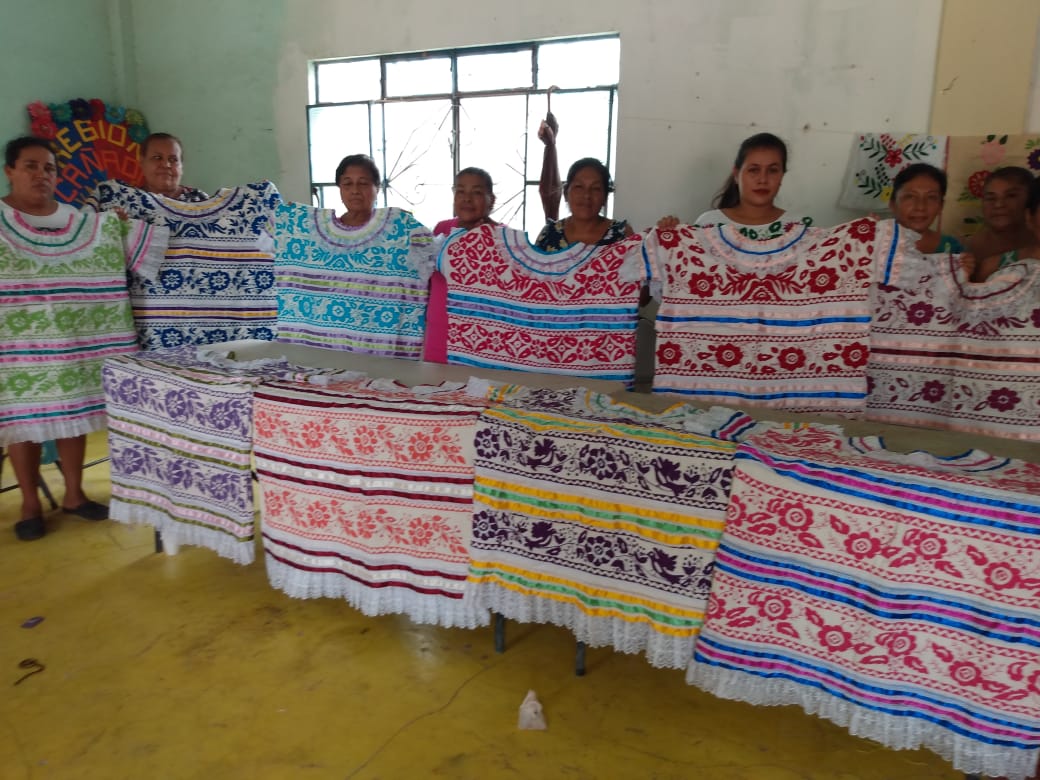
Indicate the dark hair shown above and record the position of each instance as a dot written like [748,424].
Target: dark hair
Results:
[480,172]
[729,196]
[1033,201]
[597,166]
[160,137]
[15,147]
[912,172]
[1012,173]
[363,161]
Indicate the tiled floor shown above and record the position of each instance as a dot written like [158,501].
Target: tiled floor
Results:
[189,666]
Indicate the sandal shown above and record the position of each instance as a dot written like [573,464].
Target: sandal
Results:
[88,510]
[31,529]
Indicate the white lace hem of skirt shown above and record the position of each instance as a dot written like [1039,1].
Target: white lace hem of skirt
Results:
[900,733]
[419,607]
[177,533]
[44,430]
[661,650]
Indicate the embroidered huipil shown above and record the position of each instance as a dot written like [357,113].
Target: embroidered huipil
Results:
[180,441]
[892,594]
[360,290]
[217,281]
[955,355]
[64,308]
[368,495]
[600,517]
[568,312]
[781,322]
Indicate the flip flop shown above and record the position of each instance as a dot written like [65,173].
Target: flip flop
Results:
[88,510]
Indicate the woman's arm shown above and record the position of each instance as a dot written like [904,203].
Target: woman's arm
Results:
[549,182]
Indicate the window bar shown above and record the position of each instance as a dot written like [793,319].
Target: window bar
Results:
[456,118]
[383,185]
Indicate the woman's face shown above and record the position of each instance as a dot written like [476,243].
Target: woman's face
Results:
[586,195]
[918,203]
[161,166]
[760,177]
[473,202]
[1003,204]
[33,176]
[357,190]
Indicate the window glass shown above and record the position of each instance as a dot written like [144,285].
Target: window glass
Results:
[573,64]
[336,131]
[418,160]
[346,82]
[425,76]
[507,70]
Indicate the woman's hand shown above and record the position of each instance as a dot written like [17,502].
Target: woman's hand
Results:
[968,263]
[667,223]
[547,131]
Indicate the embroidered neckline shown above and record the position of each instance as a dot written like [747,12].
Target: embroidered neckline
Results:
[74,236]
[539,261]
[334,232]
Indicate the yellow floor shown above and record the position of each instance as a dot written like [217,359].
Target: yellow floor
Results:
[190,666]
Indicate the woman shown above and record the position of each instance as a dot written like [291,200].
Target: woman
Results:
[586,189]
[1004,197]
[32,174]
[747,200]
[1030,253]
[357,177]
[917,198]
[474,194]
[161,168]
[474,198]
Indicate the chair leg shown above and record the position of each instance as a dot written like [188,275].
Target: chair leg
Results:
[579,660]
[47,493]
[500,632]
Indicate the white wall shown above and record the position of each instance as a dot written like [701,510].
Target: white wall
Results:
[697,76]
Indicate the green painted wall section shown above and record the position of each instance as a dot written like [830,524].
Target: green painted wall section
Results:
[53,50]
[206,72]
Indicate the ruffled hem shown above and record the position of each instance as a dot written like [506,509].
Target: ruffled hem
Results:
[40,431]
[900,733]
[178,534]
[661,650]
[419,608]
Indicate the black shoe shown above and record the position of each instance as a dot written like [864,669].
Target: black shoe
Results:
[89,510]
[30,530]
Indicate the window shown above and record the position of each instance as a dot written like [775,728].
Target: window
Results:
[423,117]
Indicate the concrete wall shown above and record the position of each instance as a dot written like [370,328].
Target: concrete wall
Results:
[53,50]
[697,76]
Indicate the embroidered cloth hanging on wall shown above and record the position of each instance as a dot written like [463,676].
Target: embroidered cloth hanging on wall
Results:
[876,159]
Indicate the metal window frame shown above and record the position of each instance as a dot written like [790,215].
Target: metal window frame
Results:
[456,97]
